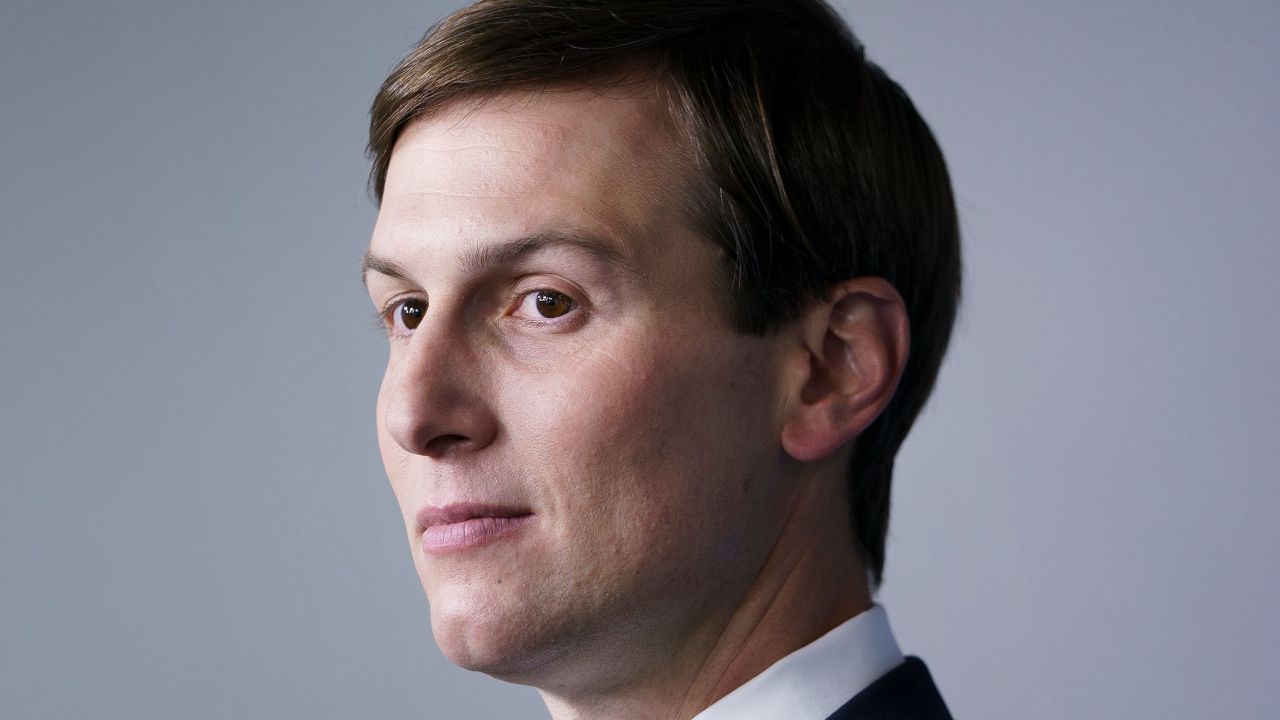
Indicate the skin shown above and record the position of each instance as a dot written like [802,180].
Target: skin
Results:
[685,482]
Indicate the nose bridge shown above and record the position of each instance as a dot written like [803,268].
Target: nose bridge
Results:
[434,349]
[434,394]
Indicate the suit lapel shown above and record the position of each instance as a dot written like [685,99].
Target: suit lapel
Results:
[905,693]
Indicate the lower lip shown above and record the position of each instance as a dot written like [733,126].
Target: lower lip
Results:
[471,533]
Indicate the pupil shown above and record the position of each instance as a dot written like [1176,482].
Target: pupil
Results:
[551,304]
[411,313]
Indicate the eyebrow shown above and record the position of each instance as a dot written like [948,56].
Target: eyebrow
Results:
[487,257]
[382,266]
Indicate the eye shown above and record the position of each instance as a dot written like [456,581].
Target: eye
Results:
[403,317]
[546,304]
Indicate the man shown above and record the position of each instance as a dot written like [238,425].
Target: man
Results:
[665,284]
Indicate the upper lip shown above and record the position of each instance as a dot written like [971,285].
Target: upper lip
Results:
[458,512]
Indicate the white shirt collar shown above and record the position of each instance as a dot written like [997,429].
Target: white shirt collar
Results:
[814,681]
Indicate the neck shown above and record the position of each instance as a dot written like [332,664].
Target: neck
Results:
[812,580]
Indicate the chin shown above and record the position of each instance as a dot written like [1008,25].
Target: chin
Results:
[495,643]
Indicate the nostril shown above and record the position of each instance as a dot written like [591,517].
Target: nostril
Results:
[442,444]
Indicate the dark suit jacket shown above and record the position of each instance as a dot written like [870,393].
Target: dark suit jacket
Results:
[907,692]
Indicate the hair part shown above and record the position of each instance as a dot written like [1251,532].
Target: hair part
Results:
[815,166]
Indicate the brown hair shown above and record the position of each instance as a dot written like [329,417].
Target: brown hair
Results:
[817,166]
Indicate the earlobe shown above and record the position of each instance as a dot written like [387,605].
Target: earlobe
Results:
[857,344]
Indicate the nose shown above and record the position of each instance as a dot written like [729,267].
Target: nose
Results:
[433,397]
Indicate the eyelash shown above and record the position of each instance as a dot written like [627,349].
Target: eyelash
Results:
[379,318]
[383,320]
[577,309]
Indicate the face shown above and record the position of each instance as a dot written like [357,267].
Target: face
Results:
[585,454]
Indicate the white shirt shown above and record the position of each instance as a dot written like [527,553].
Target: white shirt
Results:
[814,681]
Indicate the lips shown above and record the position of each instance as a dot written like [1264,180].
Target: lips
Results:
[464,526]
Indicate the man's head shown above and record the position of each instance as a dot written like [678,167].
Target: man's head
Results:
[648,268]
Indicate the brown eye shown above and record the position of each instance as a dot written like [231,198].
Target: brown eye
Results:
[409,313]
[552,304]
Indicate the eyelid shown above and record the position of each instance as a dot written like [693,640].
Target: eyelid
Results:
[576,296]
[391,304]
[383,318]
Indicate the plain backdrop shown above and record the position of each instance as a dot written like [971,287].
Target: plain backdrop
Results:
[194,521]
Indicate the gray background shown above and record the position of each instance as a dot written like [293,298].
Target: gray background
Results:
[194,521]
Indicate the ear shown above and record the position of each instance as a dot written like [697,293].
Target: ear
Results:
[856,345]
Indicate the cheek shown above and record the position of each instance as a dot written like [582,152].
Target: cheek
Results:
[639,450]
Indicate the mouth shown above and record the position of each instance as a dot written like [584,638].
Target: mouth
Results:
[464,526]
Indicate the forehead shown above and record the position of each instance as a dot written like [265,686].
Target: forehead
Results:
[608,161]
